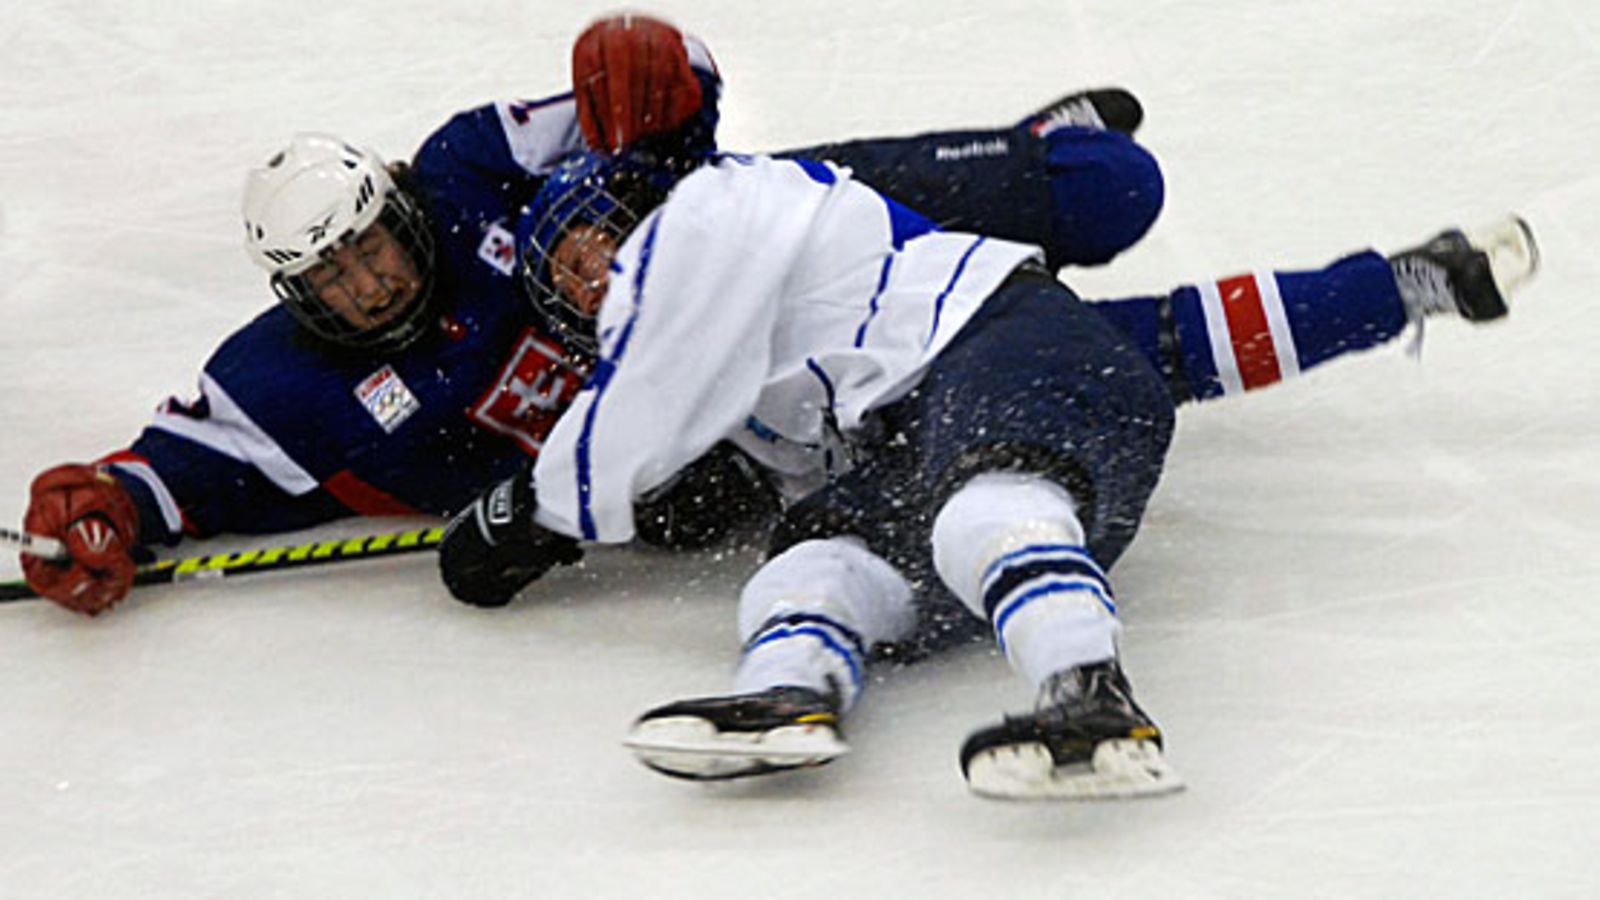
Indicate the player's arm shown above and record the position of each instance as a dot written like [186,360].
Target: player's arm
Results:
[685,332]
[187,489]
[685,335]
[486,161]
[214,464]
[159,491]
[641,79]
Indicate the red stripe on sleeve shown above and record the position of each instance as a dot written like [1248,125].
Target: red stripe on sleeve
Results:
[364,499]
[124,455]
[1253,350]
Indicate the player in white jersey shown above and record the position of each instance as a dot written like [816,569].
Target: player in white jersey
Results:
[941,412]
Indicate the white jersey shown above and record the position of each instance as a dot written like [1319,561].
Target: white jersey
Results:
[774,303]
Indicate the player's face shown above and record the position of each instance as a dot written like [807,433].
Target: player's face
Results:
[580,268]
[369,281]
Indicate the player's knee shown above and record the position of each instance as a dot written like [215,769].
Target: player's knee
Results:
[835,578]
[1108,191]
[991,518]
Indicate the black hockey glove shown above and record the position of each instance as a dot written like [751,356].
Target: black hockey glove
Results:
[711,497]
[493,548]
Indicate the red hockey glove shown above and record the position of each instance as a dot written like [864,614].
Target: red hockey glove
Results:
[632,79]
[86,509]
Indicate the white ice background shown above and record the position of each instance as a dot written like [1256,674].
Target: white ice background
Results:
[1364,606]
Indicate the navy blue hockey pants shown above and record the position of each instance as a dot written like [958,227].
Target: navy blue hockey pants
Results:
[1035,382]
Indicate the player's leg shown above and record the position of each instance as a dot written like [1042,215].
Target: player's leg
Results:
[1010,546]
[808,619]
[1253,330]
[1083,191]
[1047,433]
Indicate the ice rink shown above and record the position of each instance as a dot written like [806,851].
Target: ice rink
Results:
[1365,606]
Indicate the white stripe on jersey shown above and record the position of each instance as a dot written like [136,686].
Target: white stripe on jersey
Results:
[171,515]
[1217,332]
[542,132]
[1278,324]
[700,55]
[230,432]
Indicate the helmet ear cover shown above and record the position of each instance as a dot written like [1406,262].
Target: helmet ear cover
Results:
[313,198]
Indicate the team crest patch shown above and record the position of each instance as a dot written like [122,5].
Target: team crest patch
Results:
[387,398]
[499,249]
[534,386]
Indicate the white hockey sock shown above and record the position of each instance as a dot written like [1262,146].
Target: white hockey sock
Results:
[810,615]
[1052,609]
[807,651]
[1011,547]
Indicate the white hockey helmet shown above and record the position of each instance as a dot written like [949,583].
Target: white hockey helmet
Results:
[311,198]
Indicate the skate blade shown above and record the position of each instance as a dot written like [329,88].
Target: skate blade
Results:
[1512,250]
[1120,769]
[690,747]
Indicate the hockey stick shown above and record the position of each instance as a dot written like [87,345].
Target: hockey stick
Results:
[250,562]
[33,544]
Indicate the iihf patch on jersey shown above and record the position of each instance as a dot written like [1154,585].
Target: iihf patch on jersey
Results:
[499,249]
[387,398]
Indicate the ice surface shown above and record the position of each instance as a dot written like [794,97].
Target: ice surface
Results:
[1363,605]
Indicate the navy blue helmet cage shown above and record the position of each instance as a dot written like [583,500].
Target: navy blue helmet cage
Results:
[609,193]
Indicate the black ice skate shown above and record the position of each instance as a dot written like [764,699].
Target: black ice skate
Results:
[1468,273]
[1110,108]
[717,738]
[1086,740]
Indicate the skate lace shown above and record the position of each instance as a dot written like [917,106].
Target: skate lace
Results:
[1077,111]
[1425,290]
[1074,692]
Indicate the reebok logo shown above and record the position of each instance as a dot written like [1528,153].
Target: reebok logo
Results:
[319,230]
[972,150]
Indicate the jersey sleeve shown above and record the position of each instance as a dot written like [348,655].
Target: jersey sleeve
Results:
[486,161]
[184,489]
[203,467]
[236,458]
[686,333]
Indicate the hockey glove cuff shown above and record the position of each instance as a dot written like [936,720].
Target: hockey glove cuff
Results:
[493,548]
